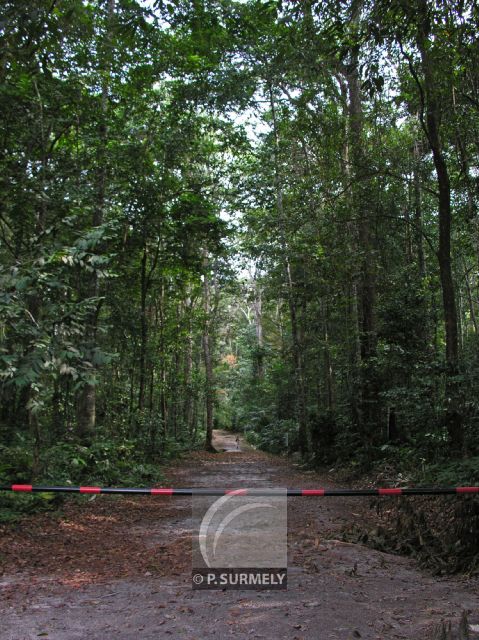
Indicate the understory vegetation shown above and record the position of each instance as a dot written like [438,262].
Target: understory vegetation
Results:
[252,215]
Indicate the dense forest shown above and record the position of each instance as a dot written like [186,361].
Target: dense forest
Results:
[257,215]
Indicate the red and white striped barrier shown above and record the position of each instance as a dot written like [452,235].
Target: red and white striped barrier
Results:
[198,491]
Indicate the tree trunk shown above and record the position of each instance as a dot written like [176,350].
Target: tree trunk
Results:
[421,264]
[143,330]
[369,401]
[472,310]
[328,367]
[86,397]
[352,316]
[304,427]
[209,381]
[161,352]
[431,126]
[187,376]
[258,322]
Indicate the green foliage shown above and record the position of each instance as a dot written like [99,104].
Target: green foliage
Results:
[105,462]
[143,146]
[112,186]
[16,462]
[277,437]
[453,473]
[14,506]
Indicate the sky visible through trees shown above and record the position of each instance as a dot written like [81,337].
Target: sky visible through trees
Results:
[257,215]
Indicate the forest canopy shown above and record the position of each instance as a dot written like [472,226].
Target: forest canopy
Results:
[257,215]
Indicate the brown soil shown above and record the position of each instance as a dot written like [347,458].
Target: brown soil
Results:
[121,568]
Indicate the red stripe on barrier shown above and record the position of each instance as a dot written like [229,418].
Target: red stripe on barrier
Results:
[21,487]
[389,492]
[312,492]
[406,491]
[90,489]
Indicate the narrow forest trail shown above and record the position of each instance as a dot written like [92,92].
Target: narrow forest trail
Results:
[121,568]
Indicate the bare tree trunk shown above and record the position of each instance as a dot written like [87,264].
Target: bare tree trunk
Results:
[352,315]
[162,369]
[195,399]
[86,398]
[369,401]
[304,427]
[258,322]
[431,126]
[174,378]
[472,310]
[407,217]
[188,391]
[131,402]
[328,368]
[418,212]
[143,330]
[209,380]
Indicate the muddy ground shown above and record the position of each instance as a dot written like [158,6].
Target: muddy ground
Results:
[120,567]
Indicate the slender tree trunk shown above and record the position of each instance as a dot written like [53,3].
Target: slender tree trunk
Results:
[164,407]
[361,199]
[407,217]
[421,264]
[86,398]
[304,427]
[472,310]
[328,368]
[175,379]
[352,315]
[460,316]
[162,368]
[188,406]
[152,422]
[143,330]
[187,375]
[151,391]
[258,322]
[209,380]
[195,399]
[131,402]
[431,125]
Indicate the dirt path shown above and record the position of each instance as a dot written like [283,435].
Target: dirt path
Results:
[225,441]
[120,568]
